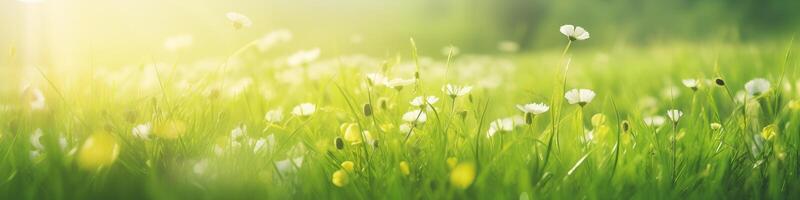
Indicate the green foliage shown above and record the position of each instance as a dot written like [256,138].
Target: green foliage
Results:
[218,113]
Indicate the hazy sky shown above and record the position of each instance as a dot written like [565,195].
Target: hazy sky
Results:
[117,31]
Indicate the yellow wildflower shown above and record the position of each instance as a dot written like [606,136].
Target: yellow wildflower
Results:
[339,178]
[404,168]
[463,175]
[348,166]
[99,150]
[351,133]
[794,105]
[769,132]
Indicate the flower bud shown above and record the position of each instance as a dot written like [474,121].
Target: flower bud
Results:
[375,144]
[367,110]
[719,81]
[339,143]
[626,126]
[462,114]
[716,126]
[383,103]
[529,118]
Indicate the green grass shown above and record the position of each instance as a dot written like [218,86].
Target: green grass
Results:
[631,83]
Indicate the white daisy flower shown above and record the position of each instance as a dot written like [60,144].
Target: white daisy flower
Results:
[36,99]
[655,121]
[273,38]
[376,79]
[674,115]
[238,132]
[36,139]
[304,110]
[303,57]
[289,165]
[415,116]
[238,20]
[456,91]
[533,108]
[690,83]
[500,125]
[423,101]
[142,131]
[574,32]
[274,116]
[399,83]
[264,143]
[757,86]
[579,96]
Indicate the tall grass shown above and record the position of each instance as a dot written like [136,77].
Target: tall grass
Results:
[557,156]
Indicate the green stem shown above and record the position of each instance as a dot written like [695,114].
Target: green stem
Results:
[447,127]
[555,101]
[579,121]
[674,152]
[566,49]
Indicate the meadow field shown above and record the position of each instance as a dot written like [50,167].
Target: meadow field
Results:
[715,118]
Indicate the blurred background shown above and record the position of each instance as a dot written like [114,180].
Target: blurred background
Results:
[116,32]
